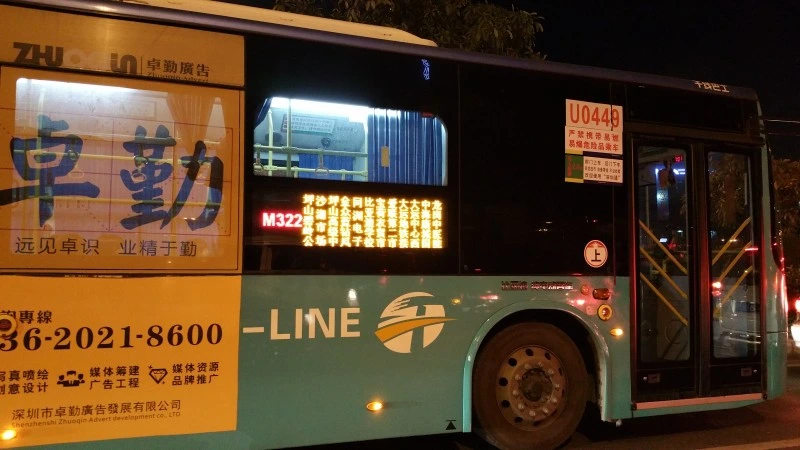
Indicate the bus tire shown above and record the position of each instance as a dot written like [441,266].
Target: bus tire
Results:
[529,387]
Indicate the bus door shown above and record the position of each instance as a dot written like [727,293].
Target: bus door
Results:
[698,309]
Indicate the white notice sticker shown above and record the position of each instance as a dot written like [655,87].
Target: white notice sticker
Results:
[605,170]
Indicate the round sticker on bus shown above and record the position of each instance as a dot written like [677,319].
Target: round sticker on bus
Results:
[595,253]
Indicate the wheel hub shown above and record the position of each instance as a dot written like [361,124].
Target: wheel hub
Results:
[536,386]
[531,387]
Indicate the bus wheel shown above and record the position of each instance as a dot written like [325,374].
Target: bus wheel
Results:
[528,387]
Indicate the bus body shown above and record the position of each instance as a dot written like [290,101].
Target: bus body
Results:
[219,231]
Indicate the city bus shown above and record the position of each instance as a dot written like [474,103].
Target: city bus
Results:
[228,227]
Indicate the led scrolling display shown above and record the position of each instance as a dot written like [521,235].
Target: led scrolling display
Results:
[363,221]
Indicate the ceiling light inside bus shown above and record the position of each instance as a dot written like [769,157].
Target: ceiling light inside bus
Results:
[355,113]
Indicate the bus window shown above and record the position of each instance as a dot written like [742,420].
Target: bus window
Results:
[734,250]
[332,141]
[664,254]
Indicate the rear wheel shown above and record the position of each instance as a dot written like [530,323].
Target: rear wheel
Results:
[529,387]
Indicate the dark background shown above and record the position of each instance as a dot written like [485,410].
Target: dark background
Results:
[752,43]
[745,43]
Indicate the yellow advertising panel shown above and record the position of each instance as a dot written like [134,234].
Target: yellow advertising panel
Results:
[109,174]
[60,40]
[101,358]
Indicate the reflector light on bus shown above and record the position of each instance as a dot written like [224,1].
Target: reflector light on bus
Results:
[601,294]
[7,435]
[352,297]
[375,406]
[604,312]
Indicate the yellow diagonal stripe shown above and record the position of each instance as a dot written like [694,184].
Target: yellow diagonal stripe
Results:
[661,246]
[396,329]
[664,300]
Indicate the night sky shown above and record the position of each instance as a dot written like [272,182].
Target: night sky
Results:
[745,43]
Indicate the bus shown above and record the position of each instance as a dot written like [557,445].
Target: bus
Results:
[227,227]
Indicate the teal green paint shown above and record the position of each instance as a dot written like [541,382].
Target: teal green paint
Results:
[776,332]
[323,384]
[611,354]
[307,391]
[297,392]
[776,319]
[777,346]
[490,324]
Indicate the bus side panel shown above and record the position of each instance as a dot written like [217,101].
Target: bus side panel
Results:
[610,353]
[775,294]
[316,350]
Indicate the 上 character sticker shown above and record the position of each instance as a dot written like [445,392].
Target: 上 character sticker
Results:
[595,254]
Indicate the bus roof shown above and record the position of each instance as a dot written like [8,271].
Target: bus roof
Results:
[236,18]
[222,9]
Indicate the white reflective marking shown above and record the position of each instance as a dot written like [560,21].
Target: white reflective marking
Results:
[791,443]
[253,330]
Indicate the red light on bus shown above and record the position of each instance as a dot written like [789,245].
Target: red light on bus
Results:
[677,158]
[281,220]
